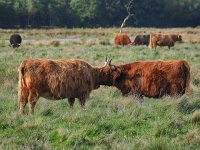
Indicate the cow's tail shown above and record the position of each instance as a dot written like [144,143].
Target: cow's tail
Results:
[21,71]
[187,73]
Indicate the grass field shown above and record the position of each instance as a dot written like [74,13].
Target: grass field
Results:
[109,121]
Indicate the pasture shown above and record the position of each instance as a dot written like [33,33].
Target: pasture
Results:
[109,120]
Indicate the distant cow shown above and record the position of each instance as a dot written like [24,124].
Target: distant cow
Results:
[122,39]
[55,79]
[15,40]
[150,79]
[141,40]
[163,40]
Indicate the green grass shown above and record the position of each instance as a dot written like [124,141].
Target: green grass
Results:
[109,121]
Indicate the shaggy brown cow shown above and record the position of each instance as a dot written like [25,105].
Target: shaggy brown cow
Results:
[122,39]
[163,40]
[58,79]
[151,79]
[141,40]
[15,40]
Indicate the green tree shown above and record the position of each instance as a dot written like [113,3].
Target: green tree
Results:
[98,13]
[7,13]
[87,10]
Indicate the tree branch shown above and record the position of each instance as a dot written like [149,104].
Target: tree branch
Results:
[128,9]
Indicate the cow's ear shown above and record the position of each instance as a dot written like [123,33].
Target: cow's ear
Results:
[112,68]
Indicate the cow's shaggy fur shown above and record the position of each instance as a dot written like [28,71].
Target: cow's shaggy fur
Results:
[141,40]
[15,40]
[151,79]
[163,40]
[122,39]
[57,79]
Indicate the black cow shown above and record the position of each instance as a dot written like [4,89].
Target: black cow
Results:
[15,40]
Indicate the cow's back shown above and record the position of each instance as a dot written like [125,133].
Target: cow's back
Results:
[165,78]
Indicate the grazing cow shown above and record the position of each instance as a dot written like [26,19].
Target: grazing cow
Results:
[163,40]
[141,40]
[150,79]
[122,39]
[15,40]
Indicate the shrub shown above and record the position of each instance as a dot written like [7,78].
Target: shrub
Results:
[196,82]
[185,105]
[104,41]
[54,43]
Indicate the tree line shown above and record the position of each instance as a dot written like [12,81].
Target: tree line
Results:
[98,13]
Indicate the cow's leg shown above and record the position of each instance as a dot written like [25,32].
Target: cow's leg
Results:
[153,46]
[173,90]
[82,101]
[32,99]
[23,99]
[22,104]
[137,96]
[71,102]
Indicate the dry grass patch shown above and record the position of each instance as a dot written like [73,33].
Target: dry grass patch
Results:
[193,135]
[54,43]
[196,116]
[104,41]
[2,44]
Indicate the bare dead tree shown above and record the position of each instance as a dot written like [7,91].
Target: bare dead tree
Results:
[129,6]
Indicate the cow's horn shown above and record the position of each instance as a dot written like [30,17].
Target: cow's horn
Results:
[106,63]
[106,59]
[109,61]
